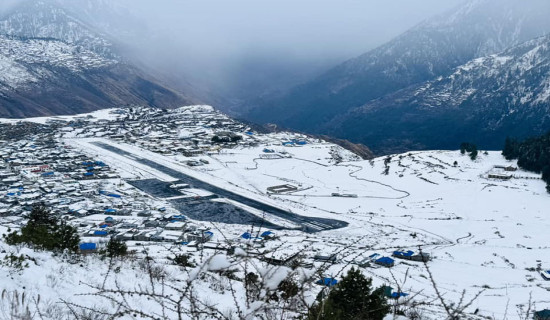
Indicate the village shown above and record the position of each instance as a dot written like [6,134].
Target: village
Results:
[91,195]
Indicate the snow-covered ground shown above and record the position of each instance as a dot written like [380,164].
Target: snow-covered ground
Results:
[103,114]
[485,235]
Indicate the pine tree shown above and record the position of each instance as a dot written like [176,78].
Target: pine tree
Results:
[116,248]
[511,149]
[353,298]
[67,237]
[473,154]
[45,231]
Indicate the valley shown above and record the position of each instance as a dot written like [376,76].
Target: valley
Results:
[484,235]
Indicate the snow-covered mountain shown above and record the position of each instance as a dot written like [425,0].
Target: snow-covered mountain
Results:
[45,19]
[432,49]
[482,101]
[52,62]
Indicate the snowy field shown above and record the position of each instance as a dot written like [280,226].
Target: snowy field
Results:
[103,114]
[484,234]
[487,237]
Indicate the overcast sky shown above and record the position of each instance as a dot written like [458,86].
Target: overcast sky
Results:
[335,28]
[231,41]
[223,40]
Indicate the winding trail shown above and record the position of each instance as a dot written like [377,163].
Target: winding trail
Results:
[351,174]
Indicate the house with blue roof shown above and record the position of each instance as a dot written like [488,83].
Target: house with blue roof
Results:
[114,195]
[411,255]
[208,235]
[88,246]
[385,262]
[403,254]
[545,275]
[100,233]
[268,235]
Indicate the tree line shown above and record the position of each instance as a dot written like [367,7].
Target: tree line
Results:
[533,154]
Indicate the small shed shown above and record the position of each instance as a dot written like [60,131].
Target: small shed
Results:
[208,235]
[385,262]
[267,235]
[88,246]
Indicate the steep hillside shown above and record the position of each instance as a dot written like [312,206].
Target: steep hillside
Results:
[51,63]
[482,101]
[432,49]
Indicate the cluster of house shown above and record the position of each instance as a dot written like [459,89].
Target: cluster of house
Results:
[45,171]
[37,167]
[188,131]
[378,260]
[501,172]
[83,190]
[156,227]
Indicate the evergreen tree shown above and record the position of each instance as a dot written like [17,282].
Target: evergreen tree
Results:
[463,147]
[470,148]
[473,154]
[116,248]
[511,149]
[45,231]
[67,237]
[352,298]
[533,154]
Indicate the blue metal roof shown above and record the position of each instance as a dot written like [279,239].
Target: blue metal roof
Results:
[385,260]
[88,246]
[408,253]
[329,282]
[399,294]
[266,234]
[246,235]
[100,233]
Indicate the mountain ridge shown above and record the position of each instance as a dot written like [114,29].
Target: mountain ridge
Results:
[485,99]
[431,49]
[53,63]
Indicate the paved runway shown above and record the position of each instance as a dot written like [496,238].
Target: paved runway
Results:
[309,224]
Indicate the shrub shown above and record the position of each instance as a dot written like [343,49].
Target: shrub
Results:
[182,260]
